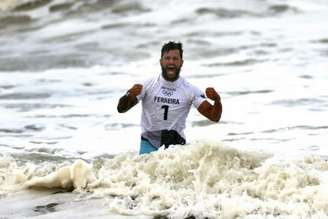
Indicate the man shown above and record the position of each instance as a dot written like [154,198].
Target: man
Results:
[166,101]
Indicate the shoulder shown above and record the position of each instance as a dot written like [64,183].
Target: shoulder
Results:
[196,94]
[189,86]
[149,81]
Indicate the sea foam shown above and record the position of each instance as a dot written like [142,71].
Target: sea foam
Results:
[201,180]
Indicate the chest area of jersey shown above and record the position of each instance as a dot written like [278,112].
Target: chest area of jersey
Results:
[175,97]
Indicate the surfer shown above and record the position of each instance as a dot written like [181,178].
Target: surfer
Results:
[166,101]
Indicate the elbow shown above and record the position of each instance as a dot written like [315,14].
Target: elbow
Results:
[120,110]
[216,118]
[125,104]
[215,114]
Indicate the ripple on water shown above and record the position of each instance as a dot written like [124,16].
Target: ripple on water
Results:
[42,62]
[246,92]
[31,5]
[244,62]
[24,96]
[9,20]
[26,107]
[223,13]
[282,8]
[299,102]
[61,7]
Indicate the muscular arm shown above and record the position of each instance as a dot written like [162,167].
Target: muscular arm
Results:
[129,99]
[212,112]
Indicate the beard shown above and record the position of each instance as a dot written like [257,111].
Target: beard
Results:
[167,76]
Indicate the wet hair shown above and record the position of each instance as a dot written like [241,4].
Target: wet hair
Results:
[171,46]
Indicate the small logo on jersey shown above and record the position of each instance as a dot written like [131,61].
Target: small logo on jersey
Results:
[167,93]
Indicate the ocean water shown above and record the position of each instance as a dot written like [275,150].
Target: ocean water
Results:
[66,152]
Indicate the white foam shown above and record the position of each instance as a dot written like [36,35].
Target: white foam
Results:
[7,4]
[204,180]
[78,176]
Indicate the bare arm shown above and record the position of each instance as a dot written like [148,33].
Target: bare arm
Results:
[129,99]
[212,112]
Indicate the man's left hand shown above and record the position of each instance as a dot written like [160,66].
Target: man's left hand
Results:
[212,94]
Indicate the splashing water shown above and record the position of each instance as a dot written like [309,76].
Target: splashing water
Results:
[204,180]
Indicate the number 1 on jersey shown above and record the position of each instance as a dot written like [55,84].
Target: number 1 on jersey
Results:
[166,110]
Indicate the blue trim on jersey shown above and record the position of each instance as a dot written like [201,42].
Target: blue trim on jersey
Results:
[146,147]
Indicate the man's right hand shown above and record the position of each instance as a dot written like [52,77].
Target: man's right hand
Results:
[135,90]
[129,99]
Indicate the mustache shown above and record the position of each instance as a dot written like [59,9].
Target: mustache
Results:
[171,66]
[176,68]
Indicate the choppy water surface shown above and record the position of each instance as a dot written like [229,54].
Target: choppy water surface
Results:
[64,65]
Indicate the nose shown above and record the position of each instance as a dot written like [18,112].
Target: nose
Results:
[172,61]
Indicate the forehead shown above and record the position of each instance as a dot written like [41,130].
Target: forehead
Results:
[172,52]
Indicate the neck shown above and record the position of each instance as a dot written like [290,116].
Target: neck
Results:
[170,79]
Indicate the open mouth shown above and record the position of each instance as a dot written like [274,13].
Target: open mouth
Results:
[171,68]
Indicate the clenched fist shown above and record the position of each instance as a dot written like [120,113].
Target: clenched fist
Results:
[212,94]
[135,90]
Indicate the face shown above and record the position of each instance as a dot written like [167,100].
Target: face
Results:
[171,64]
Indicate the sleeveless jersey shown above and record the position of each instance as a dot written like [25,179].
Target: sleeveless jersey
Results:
[165,106]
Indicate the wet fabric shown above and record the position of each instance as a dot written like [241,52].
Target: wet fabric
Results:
[163,137]
[146,147]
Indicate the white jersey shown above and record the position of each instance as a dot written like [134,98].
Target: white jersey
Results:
[165,106]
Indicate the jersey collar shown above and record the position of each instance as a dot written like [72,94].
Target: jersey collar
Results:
[170,83]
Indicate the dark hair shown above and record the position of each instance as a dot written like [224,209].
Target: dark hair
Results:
[170,46]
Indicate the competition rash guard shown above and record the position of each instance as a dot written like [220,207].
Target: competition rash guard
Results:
[165,106]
